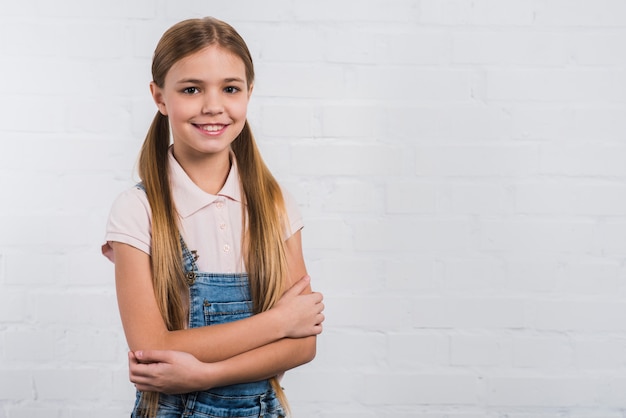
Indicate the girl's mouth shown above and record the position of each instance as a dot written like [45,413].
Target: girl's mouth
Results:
[212,129]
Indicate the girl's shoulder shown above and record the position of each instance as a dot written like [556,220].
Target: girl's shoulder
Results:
[130,220]
[132,199]
[294,221]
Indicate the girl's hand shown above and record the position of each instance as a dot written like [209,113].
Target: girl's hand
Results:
[301,312]
[170,372]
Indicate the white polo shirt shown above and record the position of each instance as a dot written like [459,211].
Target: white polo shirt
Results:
[210,224]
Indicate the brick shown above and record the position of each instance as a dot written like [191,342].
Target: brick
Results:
[371,45]
[458,123]
[233,13]
[299,81]
[411,350]
[84,384]
[590,278]
[477,350]
[521,48]
[417,274]
[538,236]
[377,11]
[32,411]
[54,266]
[347,121]
[418,85]
[469,312]
[16,385]
[85,346]
[418,235]
[285,42]
[289,121]
[579,198]
[114,9]
[582,160]
[474,275]
[610,395]
[335,386]
[18,121]
[105,411]
[86,116]
[337,274]
[411,197]
[577,315]
[532,274]
[542,391]
[598,48]
[581,14]
[76,308]
[599,352]
[556,85]
[609,238]
[95,40]
[346,159]
[354,196]
[419,388]
[358,312]
[544,353]
[476,161]
[13,306]
[31,345]
[123,390]
[328,234]
[482,12]
[465,198]
[335,347]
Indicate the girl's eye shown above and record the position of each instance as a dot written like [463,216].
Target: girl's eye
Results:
[231,89]
[191,90]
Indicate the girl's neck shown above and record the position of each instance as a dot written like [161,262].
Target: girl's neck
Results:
[208,172]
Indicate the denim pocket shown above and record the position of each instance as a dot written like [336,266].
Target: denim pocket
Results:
[223,312]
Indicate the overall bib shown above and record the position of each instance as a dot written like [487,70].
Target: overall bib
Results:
[217,299]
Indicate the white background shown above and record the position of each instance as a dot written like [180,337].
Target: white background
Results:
[461,166]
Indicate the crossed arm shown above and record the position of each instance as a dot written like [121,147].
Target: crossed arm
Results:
[251,349]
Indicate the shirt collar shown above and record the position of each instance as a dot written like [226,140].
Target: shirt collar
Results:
[189,198]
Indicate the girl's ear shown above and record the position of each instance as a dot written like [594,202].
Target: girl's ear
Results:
[250,90]
[157,96]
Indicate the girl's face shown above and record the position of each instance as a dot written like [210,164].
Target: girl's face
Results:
[205,96]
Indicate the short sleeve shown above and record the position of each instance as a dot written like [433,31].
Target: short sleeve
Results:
[294,216]
[129,222]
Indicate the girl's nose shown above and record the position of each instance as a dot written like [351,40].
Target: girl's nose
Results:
[212,104]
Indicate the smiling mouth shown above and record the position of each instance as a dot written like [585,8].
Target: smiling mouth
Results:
[211,128]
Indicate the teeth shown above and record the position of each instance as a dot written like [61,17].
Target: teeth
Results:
[212,128]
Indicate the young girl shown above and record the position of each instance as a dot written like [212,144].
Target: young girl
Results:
[211,282]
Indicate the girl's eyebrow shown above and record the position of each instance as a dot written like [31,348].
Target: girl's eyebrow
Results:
[196,81]
[189,81]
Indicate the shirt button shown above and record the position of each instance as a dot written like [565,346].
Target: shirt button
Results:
[222,225]
[226,248]
[219,205]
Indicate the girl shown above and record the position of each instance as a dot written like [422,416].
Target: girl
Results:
[206,245]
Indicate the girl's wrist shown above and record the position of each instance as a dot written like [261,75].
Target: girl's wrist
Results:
[209,376]
[278,323]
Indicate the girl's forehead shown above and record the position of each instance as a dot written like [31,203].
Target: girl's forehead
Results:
[211,63]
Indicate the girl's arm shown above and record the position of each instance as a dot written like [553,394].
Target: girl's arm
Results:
[179,372]
[297,314]
[175,372]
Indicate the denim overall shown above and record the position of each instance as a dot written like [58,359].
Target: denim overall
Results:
[216,299]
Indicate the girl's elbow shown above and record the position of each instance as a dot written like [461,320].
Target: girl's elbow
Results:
[310,349]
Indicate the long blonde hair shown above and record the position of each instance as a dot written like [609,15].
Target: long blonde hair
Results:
[262,244]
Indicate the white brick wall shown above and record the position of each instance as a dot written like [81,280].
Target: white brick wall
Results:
[460,164]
